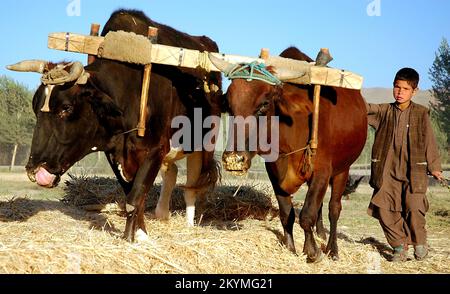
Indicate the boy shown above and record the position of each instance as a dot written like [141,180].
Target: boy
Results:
[403,151]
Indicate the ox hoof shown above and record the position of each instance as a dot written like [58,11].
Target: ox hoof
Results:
[160,215]
[332,253]
[334,257]
[141,236]
[291,248]
[316,258]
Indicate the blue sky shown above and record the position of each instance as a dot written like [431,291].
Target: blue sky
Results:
[399,33]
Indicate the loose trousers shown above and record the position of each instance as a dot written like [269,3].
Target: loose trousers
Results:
[404,225]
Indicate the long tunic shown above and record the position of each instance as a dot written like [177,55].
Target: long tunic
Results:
[410,148]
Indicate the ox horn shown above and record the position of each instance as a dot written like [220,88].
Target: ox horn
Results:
[29,66]
[222,65]
[76,71]
[59,76]
[286,74]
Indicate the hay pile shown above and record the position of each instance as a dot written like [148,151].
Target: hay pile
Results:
[57,238]
[90,192]
[252,200]
[41,235]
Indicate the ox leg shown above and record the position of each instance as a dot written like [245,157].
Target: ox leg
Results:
[136,198]
[337,188]
[194,169]
[125,185]
[320,229]
[141,231]
[308,216]
[169,180]
[287,217]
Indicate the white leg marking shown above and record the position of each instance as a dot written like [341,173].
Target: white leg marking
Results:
[190,214]
[141,236]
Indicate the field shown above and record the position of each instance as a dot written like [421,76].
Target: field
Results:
[41,234]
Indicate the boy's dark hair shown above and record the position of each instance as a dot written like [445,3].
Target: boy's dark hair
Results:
[409,75]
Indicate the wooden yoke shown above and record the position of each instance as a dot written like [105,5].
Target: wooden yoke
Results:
[322,59]
[95,28]
[152,35]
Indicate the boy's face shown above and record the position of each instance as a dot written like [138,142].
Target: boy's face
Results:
[403,92]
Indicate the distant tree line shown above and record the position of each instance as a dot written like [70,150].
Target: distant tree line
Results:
[440,76]
[16,122]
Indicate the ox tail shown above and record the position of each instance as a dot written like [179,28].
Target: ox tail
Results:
[211,172]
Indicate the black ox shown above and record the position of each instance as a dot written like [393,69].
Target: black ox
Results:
[96,108]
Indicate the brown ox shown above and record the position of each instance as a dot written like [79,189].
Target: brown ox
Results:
[342,134]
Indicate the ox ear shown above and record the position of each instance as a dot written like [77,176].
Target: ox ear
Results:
[291,102]
[102,104]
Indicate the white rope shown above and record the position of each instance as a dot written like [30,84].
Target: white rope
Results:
[203,61]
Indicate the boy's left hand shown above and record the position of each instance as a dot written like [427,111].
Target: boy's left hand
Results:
[437,175]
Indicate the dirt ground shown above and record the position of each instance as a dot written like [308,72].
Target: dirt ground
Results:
[40,234]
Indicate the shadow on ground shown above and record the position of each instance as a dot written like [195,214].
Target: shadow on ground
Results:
[21,209]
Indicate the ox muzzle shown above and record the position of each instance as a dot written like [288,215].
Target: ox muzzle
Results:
[238,163]
[42,176]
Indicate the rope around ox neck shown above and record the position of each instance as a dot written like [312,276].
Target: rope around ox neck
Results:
[253,71]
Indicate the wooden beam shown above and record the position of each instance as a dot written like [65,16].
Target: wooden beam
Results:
[182,57]
[74,43]
[161,54]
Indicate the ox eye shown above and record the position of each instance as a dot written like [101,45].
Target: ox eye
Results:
[66,111]
[263,107]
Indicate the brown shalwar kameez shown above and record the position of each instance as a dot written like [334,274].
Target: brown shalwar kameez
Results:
[400,209]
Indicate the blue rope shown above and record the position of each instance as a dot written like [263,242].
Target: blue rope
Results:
[253,71]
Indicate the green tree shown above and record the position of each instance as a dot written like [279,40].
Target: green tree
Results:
[440,76]
[16,115]
[365,157]
[441,137]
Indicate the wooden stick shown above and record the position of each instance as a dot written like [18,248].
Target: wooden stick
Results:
[315,126]
[95,28]
[152,34]
[323,58]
